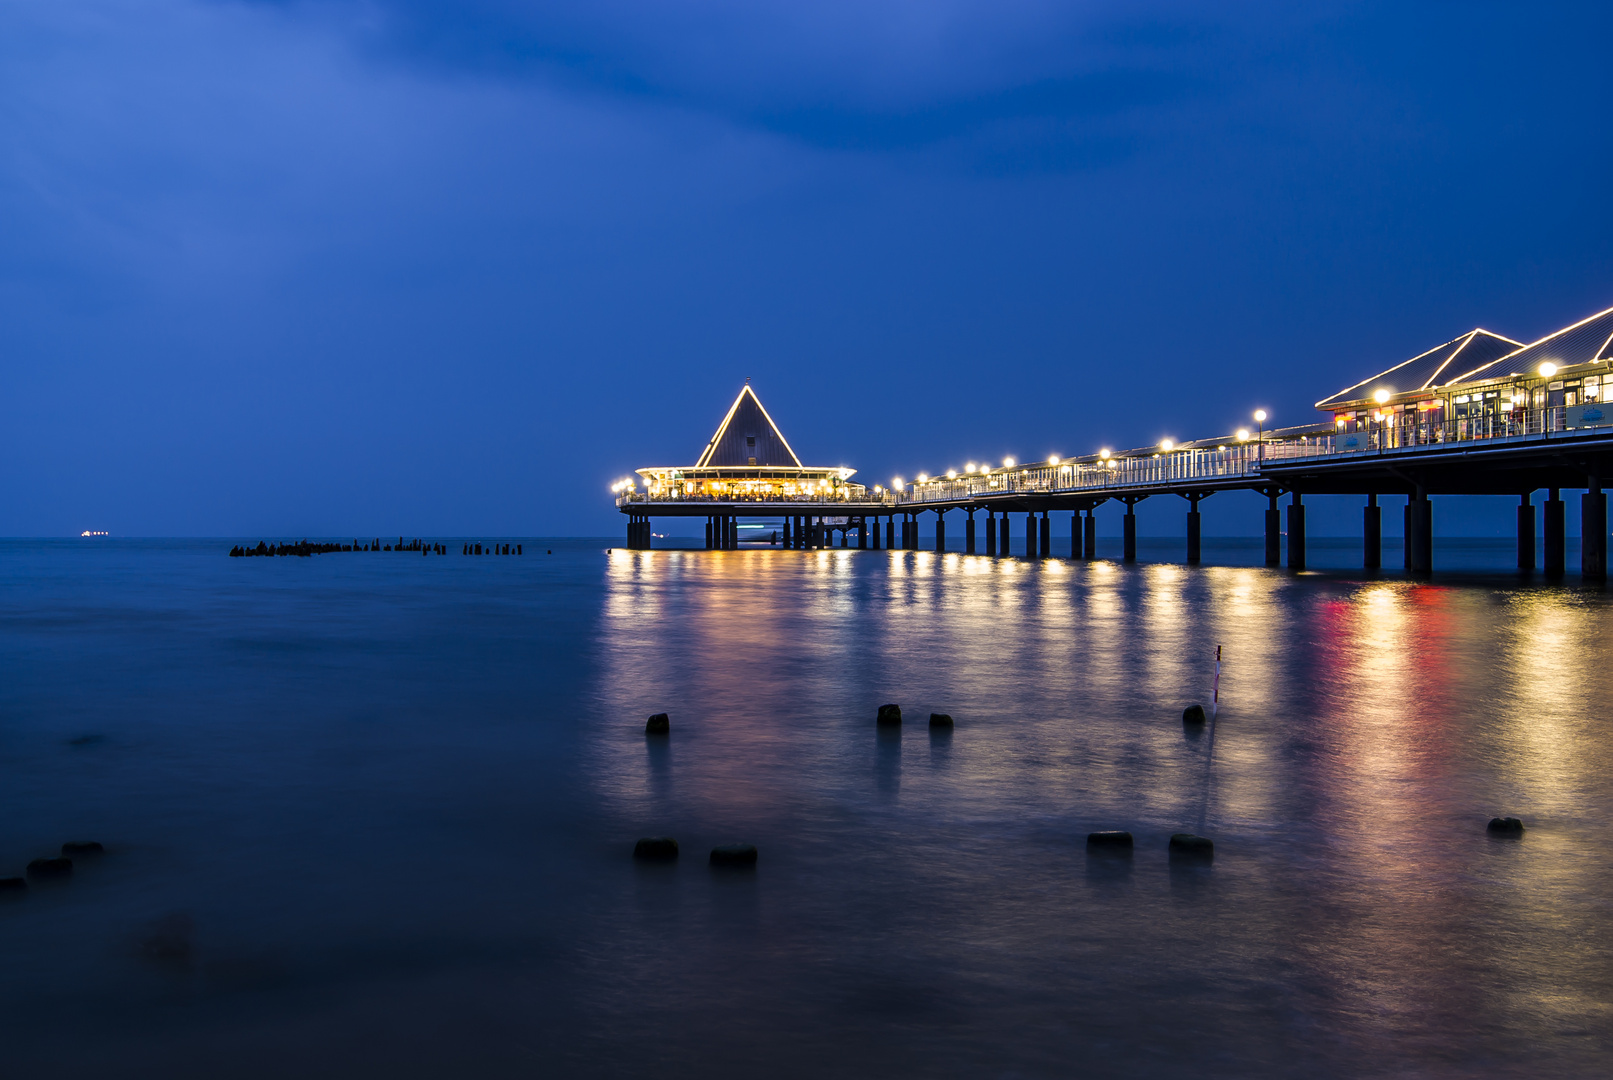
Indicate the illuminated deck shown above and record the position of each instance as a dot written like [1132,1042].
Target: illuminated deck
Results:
[1481,414]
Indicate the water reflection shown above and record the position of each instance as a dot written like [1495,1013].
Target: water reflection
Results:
[1366,731]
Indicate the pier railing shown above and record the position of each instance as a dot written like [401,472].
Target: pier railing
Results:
[1410,434]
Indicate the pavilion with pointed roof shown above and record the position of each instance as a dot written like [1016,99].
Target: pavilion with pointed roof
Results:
[748,457]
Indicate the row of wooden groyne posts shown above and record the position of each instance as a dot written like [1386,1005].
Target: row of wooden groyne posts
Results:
[304,548]
[1182,845]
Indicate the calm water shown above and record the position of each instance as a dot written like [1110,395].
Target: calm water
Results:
[374,814]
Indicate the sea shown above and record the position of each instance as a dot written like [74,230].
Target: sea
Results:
[374,814]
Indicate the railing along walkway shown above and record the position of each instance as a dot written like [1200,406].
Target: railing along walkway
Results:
[1240,461]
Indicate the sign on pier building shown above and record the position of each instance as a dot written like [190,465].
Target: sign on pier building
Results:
[749,458]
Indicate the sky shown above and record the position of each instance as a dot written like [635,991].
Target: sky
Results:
[376,268]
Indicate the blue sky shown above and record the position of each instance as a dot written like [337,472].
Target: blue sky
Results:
[348,267]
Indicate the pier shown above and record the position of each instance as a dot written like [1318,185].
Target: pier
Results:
[1480,414]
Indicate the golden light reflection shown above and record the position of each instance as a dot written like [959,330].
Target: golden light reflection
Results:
[1366,731]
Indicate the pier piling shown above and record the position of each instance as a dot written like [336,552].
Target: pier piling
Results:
[969,534]
[1593,532]
[1274,529]
[1089,534]
[1296,534]
[1372,534]
[1526,532]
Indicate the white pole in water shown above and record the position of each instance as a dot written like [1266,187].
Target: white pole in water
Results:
[1215,699]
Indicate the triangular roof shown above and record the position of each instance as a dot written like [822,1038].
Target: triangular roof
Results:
[1587,340]
[1436,367]
[747,436]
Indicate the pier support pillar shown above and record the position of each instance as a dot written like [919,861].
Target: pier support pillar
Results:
[1296,534]
[1372,534]
[1274,530]
[862,534]
[940,531]
[991,532]
[1194,549]
[1554,556]
[890,534]
[1003,537]
[1422,535]
[1128,549]
[845,535]
[708,534]
[1075,534]
[1045,547]
[969,535]
[1526,532]
[1030,535]
[1593,532]
[1408,530]
[1089,534]
[787,539]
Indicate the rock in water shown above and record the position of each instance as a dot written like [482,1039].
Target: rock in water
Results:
[1185,843]
[734,855]
[890,714]
[656,849]
[940,719]
[50,868]
[659,724]
[1505,826]
[1193,714]
[1110,838]
[9,885]
[82,847]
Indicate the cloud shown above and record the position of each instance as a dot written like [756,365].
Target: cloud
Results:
[1028,82]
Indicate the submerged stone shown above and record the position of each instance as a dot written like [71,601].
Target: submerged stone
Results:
[1506,826]
[13,885]
[1193,714]
[1110,838]
[659,724]
[82,847]
[656,849]
[50,868]
[889,714]
[1184,843]
[734,855]
[940,719]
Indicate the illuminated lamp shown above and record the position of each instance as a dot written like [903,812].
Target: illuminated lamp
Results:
[1104,453]
[1243,434]
[1547,370]
[1166,444]
[1053,459]
[969,468]
[1260,416]
[897,483]
[1381,396]
[1339,422]
[1008,463]
[952,474]
[924,478]
[1109,463]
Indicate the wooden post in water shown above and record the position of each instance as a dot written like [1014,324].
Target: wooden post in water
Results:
[1089,534]
[969,533]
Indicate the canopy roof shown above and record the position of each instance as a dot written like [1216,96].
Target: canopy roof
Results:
[747,436]
[1438,366]
[1585,341]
